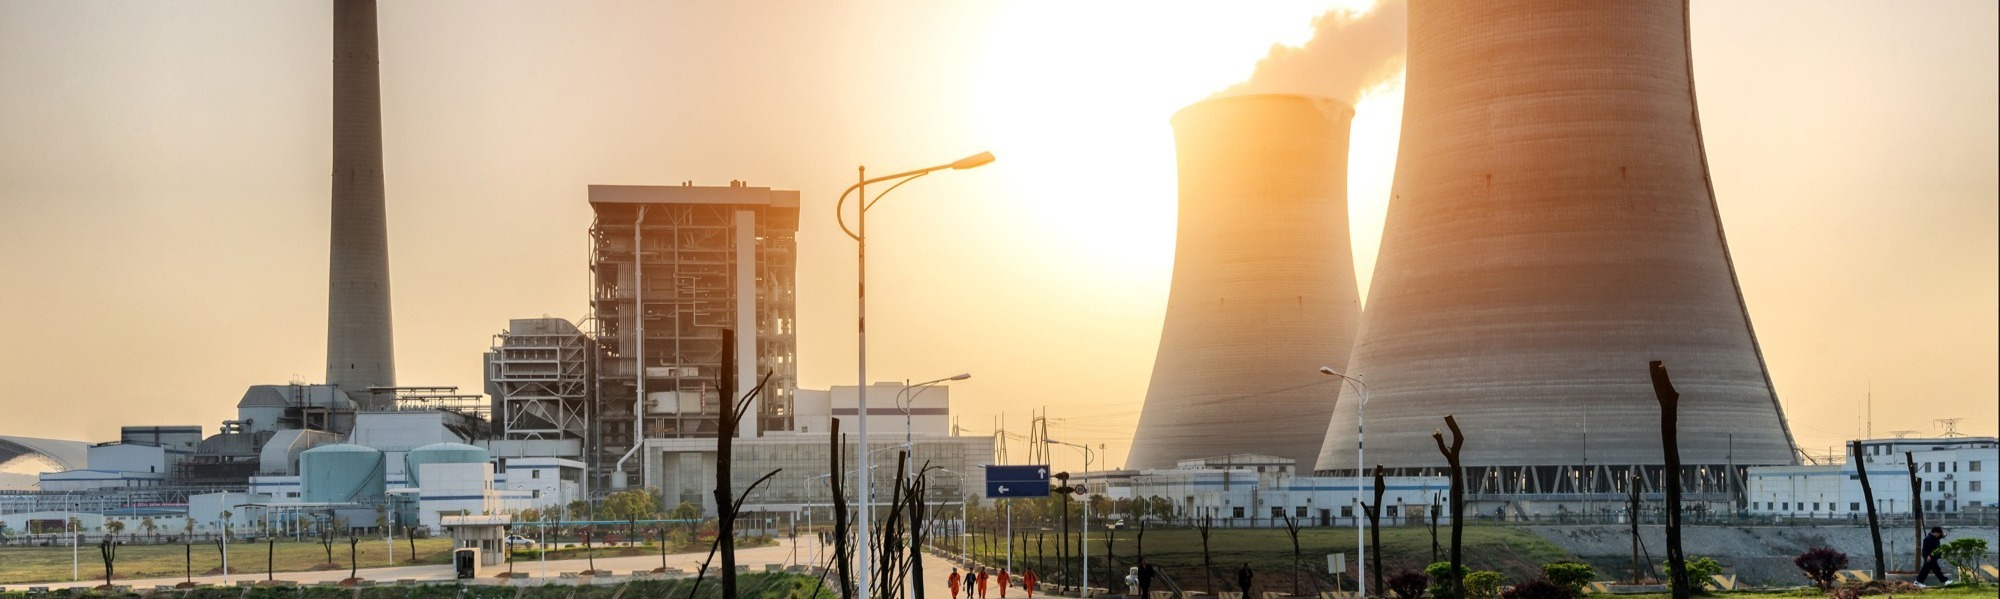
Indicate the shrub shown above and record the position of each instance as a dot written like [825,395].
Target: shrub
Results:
[1408,584]
[1701,571]
[1539,588]
[1571,575]
[1440,575]
[1819,564]
[1963,554]
[1483,584]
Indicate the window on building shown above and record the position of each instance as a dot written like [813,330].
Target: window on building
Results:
[1927,486]
[1392,511]
[1786,506]
[1236,512]
[1301,513]
[1347,511]
[1815,506]
[1972,486]
[1972,466]
[1927,466]
[1854,506]
[1277,512]
[534,474]
[538,494]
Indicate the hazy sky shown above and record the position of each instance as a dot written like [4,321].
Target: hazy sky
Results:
[164,188]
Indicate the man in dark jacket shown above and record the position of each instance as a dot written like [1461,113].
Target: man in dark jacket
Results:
[1243,576]
[1931,542]
[1145,579]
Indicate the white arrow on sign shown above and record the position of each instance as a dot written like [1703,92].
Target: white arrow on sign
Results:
[1042,472]
[1003,488]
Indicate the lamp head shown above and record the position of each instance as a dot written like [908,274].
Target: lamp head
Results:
[960,377]
[973,161]
[1051,441]
[1328,370]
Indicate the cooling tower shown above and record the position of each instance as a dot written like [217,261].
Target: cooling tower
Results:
[1263,290]
[1552,227]
[359,349]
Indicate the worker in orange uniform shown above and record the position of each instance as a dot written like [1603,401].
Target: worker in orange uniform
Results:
[1003,583]
[953,582]
[1028,582]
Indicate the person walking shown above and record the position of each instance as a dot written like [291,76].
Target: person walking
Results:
[1004,580]
[1931,542]
[952,581]
[1243,578]
[1028,582]
[982,583]
[1146,574]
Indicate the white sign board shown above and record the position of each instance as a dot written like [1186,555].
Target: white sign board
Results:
[1336,563]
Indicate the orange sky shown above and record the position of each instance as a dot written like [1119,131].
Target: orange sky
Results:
[163,188]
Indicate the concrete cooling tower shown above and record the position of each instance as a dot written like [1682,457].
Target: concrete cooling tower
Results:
[1552,227]
[360,352]
[1263,290]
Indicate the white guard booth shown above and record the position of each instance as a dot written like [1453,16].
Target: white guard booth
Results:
[485,535]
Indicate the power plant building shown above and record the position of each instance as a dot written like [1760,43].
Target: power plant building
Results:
[1263,289]
[672,267]
[1552,228]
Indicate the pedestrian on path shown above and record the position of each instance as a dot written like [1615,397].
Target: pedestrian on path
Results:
[1243,578]
[1931,542]
[1028,582]
[953,582]
[982,583]
[1004,578]
[1146,574]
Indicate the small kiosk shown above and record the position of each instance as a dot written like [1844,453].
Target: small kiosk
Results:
[478,542]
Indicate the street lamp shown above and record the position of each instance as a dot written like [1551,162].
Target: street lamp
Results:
[1085,553]
[1360,525]
[860,235]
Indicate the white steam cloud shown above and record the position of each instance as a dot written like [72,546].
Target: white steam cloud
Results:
[1349,53]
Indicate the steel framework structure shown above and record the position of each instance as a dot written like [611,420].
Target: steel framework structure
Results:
[541,377]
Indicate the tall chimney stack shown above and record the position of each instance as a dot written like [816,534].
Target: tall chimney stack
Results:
[360,349]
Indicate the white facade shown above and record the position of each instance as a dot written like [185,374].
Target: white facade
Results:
[928,409]
[683,470]
[206,511]
[1957,474]
[92,480]
[547,481]
[463,489]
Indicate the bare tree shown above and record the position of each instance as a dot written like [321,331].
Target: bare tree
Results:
[1292,530]
[841,551]
[1916,510]
[731,419]
[1435,508]
[108,549]
[1375,530]
[1868,497]
[1204,526]
[1451,457]
[1663,389]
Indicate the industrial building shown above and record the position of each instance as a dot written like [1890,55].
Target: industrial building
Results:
[671,268]
[1258,490]
[1551,229]
[900,418]
[1958,479]
[1263,290]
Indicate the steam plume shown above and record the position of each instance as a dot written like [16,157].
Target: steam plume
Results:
[1348,53]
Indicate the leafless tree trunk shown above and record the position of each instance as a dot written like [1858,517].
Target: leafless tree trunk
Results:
[1375,530]
[1916,511]
[1868,496]
[1663,389]
[1206,524]
[1451,456]
[731,420]
[841,552]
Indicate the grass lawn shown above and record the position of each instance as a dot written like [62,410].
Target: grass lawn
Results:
[1514,552]
[47,564]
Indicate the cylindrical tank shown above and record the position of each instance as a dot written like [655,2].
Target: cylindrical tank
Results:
[341,473]
[1551,229]
[1263,291]
[439,453]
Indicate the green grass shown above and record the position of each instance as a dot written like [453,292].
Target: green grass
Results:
[52,564]
[1517,553]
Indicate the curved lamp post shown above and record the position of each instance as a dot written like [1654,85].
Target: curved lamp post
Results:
[1360,526]
[860,235]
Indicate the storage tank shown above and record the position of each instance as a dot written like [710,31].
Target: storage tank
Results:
[342,473]
[1551,229]
[1263,291]
[440,453]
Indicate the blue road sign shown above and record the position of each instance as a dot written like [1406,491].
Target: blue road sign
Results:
[1017,481]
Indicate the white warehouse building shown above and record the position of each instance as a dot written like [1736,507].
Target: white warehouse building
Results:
[1957,475]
